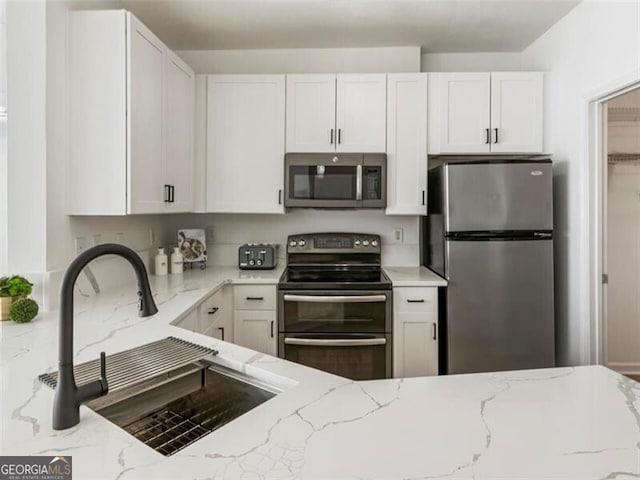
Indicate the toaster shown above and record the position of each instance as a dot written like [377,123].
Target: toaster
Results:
[257,256]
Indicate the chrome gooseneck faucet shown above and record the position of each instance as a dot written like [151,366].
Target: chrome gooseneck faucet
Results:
[69,397]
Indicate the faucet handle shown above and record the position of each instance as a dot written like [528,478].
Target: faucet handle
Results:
[103,373]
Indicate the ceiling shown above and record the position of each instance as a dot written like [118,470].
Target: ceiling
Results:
[434,25]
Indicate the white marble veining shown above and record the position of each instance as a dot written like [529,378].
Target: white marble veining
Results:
[414,277]
[564,423]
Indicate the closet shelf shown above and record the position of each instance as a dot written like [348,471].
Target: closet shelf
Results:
[624,158]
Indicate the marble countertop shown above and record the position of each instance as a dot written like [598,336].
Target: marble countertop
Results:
[569,423]
[414,277]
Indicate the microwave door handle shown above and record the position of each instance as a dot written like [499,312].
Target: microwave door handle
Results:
[359,182]
[335,298]
[338,342]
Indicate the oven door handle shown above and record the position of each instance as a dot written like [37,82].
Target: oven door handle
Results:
[335,298]
[339,342]
[359,182]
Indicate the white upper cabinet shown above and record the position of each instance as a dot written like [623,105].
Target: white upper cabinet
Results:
[146,69]
[361,112]
[336,113]
[462,107]
[245,143]
[406,144]
[516,112]
[130,119]
[311,113]
[179,133]
[485,112]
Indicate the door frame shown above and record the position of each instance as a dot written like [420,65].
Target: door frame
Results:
[596,197]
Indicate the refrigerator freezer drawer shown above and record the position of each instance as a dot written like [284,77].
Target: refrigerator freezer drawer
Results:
[500,313]
[498,197]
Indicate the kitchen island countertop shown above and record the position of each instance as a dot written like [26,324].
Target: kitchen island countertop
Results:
[569,423]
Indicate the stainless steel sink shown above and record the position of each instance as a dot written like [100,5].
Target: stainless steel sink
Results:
[178,408]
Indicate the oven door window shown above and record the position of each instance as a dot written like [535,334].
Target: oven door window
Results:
[317,312]
[320,182]
[358,357]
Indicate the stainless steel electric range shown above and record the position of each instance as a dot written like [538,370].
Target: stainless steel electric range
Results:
[335,305]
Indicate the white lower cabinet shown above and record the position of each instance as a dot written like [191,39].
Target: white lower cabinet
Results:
[255,319]
[415,332]
[215,317]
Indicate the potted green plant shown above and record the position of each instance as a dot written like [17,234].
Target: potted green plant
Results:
[11,289]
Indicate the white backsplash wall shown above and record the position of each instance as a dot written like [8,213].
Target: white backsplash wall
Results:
[232,230]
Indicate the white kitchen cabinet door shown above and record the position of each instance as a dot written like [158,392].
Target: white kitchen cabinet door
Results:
[516,112]
[179,134]
[361,112]
[463,102]
[415,344]
[146,72]
[311,113]
[257,330]
[407,144]
[215,315]
[245,143]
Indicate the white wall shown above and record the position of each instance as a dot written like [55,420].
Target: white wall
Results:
[305,60]
[593,46]
[471,62]
[231,231]
[3,138]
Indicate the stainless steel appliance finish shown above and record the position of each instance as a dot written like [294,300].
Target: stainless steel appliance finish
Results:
[341,180]
[177,409]
[258,256]
[335,305]
[489,233]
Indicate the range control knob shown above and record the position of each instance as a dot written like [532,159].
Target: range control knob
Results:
[357,243]
[302,243]
[374,243]
[293,243]
[365,243]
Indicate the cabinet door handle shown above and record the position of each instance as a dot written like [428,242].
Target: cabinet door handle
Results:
[488,138]
[167,193]
[435,335]
[173,193]
[421,300]
[272,328]
[280,197]
[423,197]
[331,136]
[496,132]
[221,330]
[339,135]
[213,311]
[255,298]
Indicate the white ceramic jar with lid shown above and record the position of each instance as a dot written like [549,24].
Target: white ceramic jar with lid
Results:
[177,261]
[161,263]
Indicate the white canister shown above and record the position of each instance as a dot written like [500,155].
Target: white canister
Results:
[161,263]
[177,261]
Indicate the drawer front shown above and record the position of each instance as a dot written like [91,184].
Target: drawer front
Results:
[254,297]
[213,308]
[415,299]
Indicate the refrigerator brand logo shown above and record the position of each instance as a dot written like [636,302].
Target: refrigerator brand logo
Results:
[35,468]
[536,173]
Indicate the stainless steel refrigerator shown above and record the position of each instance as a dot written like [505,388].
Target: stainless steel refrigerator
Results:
[489,232]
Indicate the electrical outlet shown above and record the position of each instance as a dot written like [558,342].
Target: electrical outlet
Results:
[209,234]
[97,239]
[398,235]
[80,244]
[152,237]
[120,237]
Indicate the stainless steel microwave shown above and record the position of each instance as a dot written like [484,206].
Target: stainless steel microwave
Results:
[328,180]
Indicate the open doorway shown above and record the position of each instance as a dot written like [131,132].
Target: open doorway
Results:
[621,233]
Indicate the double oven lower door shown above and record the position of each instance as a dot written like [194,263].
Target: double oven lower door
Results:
[347,333]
